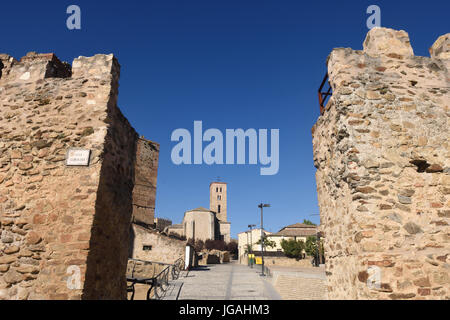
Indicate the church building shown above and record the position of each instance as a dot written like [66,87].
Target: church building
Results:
[207,224]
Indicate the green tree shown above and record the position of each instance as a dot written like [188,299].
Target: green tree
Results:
[311,246]
[267,243]
[308,222]
[293,248]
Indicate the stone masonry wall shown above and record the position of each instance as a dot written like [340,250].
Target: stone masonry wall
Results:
[163,248]
[54,217]
[144,192]
[382,155]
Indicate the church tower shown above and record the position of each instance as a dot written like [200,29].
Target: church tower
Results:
[218,200]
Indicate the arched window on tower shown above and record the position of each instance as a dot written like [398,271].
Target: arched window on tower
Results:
[218,209]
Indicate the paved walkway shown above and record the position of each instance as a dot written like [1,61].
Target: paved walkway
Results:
[226,282]
[295,283]
[239,282]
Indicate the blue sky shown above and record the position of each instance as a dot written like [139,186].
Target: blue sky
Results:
[231,64]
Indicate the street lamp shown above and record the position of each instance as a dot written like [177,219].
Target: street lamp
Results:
[247,247]
[262,205]
[251,226]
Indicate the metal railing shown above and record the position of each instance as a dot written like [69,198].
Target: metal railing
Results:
[324,94]
[154,274]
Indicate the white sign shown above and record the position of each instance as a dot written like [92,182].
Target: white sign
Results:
[187,258]
[78,157]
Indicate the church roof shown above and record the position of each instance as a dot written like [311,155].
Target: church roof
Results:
[217,182]
[202,209]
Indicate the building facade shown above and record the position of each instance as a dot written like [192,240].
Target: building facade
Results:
[218,199]
[206,224]
[247,240]
[297,232]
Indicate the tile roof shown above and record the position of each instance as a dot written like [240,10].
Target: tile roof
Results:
[297,230]
[300,225]
[201,209]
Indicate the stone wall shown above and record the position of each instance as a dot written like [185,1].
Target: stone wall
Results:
[159,247]
[382,153]
[288,262]
[55,218]
[144,192]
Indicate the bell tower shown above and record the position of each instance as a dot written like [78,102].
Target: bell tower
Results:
[218,200]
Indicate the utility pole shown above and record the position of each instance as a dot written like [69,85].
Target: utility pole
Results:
[251,226]
[261,205]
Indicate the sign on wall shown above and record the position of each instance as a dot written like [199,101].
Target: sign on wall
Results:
[78,157]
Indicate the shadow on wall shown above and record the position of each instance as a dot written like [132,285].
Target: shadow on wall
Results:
[108,255]
[131,244]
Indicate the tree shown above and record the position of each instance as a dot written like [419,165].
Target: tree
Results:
[267,243]
[308,222]
[199,245]
[232,247]
[293,248]
[311,246]
[190,242]
[248,248]
[215,245]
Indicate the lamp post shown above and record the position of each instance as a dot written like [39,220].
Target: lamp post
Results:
[248,252]
[319,249]
[251,226]
[261,206]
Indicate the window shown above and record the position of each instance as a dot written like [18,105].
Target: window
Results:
[220,189]
[218,209]
[147,248]
[217,189]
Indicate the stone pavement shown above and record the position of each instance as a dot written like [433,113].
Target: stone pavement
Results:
[226,282]
[239,282]
[296,283]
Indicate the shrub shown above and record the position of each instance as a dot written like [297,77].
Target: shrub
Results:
[190,242]
[199,245]
[293,248]
[232,247]
[215,245]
